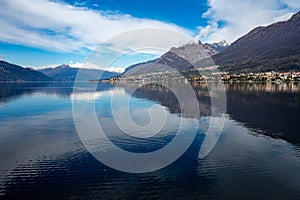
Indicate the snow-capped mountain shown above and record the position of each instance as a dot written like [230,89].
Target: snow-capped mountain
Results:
[67,73]
[179,58]
[220,46]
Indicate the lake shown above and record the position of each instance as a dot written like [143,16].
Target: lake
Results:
[46,154]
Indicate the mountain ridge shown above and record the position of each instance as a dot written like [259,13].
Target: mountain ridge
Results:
[65,72]
[15,73]
[178,58]
[265,48]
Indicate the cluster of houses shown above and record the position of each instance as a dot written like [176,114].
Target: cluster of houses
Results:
[262,77]
[214,76]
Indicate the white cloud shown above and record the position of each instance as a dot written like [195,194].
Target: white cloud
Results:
[92,96]
[61,27]
[90,65]
[231,19]
[205,31]
[283,17]
[292,3]
[42,67]
[57,26]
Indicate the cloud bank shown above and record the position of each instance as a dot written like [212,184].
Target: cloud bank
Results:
[60,27]
[64,28]
[231,19]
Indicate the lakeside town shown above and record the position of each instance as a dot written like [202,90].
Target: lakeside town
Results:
[260,77]
[194,76]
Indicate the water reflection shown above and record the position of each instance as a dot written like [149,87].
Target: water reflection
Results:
[270,109]
[42,156]
[293,87]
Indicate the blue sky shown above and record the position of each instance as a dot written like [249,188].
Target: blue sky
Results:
[47,33]
[187,13]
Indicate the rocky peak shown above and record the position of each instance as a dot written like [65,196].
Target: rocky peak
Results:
[219,46]
[194,52]
[295,16]
[63,66]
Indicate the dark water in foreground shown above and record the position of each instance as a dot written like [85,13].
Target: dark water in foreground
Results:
[256,157]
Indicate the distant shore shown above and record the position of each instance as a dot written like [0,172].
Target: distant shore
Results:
[263,77]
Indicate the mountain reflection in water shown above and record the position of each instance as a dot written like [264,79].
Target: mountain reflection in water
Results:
[257,156]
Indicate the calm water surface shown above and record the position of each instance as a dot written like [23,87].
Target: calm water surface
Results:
[256,157]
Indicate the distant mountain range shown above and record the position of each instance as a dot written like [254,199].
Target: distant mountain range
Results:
[67,73]
[14,73]
[272,48]
[275,47]
[180,58]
